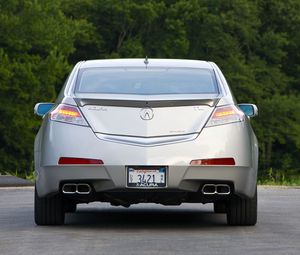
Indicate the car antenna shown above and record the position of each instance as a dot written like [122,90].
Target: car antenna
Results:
[146,61]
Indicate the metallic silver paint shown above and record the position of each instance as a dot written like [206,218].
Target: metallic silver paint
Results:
[120,142]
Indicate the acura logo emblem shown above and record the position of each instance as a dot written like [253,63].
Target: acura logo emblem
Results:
[146,114]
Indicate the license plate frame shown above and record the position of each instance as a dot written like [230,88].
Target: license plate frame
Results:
[157,171]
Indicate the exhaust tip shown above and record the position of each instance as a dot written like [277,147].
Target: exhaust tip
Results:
[216,189]
[209,189]
[69,188]
[83,188]
[222,189]
[73,188]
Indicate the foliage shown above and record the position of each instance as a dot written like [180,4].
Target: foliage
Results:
[287,178]
[256,44]
[35,41]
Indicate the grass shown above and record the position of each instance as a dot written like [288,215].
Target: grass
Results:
[292,181]
[28,176]
[280,177]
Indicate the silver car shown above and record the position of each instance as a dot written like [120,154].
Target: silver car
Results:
[128,131]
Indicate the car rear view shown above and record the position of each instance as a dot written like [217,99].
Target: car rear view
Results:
[130,131]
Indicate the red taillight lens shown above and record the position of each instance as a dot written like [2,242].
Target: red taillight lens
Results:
[79,161]
[224,115]
[68,114]
[213,161]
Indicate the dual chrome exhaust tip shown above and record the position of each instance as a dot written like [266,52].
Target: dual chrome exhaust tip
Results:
[76,188]
[216,189]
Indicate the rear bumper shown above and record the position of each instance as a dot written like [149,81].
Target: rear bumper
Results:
[56,140]
[182,178]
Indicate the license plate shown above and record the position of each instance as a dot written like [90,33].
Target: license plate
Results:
[146,177]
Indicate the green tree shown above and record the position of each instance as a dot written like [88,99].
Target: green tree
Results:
[35,41]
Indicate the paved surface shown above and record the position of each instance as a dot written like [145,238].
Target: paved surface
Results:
[151,229]
[13,181]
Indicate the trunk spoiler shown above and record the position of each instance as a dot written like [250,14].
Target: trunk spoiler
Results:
[146,103]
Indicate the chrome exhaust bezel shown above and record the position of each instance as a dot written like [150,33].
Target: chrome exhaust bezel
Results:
[69,192]
[216,189]
[84,193]
[208,193]
[76,188]
[223,185]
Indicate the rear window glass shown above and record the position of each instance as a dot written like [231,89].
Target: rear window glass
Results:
[150,81]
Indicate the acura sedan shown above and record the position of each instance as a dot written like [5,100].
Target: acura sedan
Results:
[128,131]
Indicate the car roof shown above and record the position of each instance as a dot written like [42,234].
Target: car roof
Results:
[152,62]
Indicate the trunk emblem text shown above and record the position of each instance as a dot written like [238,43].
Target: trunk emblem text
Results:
[146,114]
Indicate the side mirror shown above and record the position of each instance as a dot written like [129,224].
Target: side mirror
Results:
[41,109]
[249,109]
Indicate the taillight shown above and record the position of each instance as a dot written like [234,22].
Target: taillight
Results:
[68,114]
[79,161]
[224,115]
[213,161]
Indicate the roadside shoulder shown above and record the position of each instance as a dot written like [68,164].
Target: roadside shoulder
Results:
[13,181]
[277,187]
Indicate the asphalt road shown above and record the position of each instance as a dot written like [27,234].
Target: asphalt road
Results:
[151,229]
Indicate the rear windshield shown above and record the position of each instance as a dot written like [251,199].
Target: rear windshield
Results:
[150,81]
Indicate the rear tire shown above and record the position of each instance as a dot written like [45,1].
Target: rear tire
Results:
[70,206]
[220,207]
[241,211]
[48,210]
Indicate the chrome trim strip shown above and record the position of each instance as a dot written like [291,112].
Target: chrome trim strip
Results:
[147,141]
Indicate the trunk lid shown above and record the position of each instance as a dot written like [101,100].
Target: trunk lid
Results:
[146,118]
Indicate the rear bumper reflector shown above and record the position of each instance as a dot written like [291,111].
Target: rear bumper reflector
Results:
[213,162]
[79,161]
